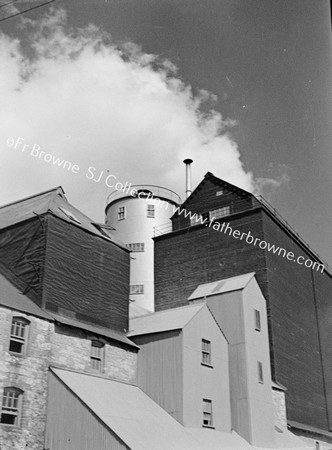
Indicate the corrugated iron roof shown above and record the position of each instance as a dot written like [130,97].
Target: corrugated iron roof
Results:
[12,298]
[143,425]
[136,419]
[54,201]
[220,286]
[170,319]
[102,331]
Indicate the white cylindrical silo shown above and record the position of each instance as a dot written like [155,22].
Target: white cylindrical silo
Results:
[134,215]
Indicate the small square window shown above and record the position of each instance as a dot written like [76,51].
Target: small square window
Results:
[136,247]
[121,213]
[11,406]
[198,219]
[260,372]
[206,352]
[97,356]
[220,212]
[136,289]
[207,413]
[150,211]
[18,335]
[257,320]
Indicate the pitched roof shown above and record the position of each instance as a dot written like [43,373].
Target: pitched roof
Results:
[12,298]
[133,416]
[142,424]
[221,183]
[218,287]
[170,319]
[258,201]
[53,201]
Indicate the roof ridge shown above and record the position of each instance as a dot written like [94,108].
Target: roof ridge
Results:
[57,190]
[153,313]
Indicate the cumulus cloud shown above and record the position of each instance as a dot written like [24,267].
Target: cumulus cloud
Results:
[78,96]
[267,186]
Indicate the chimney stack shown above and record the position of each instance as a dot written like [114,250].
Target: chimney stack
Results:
[188,162]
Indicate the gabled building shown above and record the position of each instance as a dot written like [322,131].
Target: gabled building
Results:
[183,365]
[63,261]
[232,234]
[63,301]
[208,365]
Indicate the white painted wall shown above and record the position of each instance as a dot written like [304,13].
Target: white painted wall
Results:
[137,227]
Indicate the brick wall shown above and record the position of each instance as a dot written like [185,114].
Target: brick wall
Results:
[49,344]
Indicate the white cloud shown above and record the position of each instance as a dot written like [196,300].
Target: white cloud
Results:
[86,100]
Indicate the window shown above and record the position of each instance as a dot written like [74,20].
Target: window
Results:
[136,247]
[18,335]
[206,352]
[219,192]
[220,212]
[260,372]
[257,320]
[150,211]
[198,219]
[11,406]
[207,413]
[136,289]
[121,213]
[97,356]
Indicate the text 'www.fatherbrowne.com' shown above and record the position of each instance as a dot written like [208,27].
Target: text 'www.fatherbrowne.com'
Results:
[196,219]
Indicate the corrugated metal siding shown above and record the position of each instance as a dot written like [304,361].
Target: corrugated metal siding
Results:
[205,200]
[300,344]
[187,259]
[160,370]
[294,326]
[323,298]
[86,275]
[72,426]
[22,256]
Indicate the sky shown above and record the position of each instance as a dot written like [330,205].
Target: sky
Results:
[129,88]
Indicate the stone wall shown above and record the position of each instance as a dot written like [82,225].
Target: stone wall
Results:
[49,344]
[280,416]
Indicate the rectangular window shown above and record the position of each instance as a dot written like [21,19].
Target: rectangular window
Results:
[97,356]
[136,247]
[11,406]
[150,211]
[257,320]
[260,372]
[207,413]
[206,352]
[121,213]
[18,335]
[198,219]
[220,192]
[220,212]
[136,289]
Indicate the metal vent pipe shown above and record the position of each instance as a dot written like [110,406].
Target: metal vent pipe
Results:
[188,162]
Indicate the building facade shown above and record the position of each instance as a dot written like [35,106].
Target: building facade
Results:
[134,215]
[64,286]
[298,294]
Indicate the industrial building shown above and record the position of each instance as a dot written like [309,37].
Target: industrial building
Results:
[76,373]
[213,245]
[134,218]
